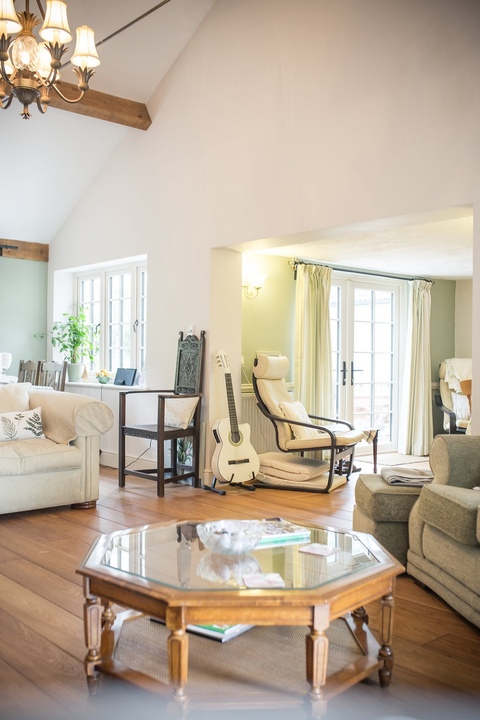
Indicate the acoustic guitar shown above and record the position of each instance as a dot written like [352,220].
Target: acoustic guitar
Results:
[234,459]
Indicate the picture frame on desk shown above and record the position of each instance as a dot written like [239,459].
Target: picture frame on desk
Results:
[125,376]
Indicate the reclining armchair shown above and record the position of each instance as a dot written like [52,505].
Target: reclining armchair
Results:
[295,430]
[453,401]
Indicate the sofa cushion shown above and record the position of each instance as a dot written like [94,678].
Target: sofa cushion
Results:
[24,457]
[383,502]
[14,397]
[21,425]
[457,560]
[452,510]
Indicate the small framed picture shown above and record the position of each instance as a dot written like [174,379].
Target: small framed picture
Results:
[125,376]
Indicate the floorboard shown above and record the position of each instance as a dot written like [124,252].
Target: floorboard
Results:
[437,652]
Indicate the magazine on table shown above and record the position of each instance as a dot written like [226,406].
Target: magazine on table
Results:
[217,632]
[282,532]
[223,633]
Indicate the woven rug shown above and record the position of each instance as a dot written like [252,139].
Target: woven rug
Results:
[263,659]
[389,459]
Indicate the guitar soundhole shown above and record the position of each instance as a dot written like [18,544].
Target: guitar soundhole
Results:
[236,438]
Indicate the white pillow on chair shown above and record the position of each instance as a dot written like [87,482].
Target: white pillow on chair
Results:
[296,411]
[179,411]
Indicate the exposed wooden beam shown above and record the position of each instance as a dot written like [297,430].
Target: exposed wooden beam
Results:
[24,250]
[103,107]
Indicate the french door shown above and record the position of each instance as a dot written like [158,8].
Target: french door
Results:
[365,333]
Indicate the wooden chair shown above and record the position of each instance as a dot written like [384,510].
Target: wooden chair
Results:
[28,371]
[296,431]
[178,417]
[52,374]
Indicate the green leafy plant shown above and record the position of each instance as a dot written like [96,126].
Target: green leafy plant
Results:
[73,337]
[185,451]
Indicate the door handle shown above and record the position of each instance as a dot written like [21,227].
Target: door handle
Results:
[343,372]
[353,370]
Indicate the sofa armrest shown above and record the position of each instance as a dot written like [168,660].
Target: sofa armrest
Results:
[66,416]
[455,460]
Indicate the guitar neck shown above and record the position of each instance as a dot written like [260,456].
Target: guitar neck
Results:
[231,405]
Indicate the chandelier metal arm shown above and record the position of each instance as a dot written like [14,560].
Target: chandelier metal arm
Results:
[3,75]
[67,100]
[42,107]
[5,103]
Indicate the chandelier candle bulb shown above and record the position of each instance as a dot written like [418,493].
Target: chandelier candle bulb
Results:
[55,27]
[8,16]
[85,55]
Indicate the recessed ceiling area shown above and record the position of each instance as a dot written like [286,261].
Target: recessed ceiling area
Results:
[431,245]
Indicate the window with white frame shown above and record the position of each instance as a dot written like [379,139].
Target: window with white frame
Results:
[114,301]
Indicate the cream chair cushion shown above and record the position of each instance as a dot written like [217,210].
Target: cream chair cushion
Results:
[14,398]
[296,411]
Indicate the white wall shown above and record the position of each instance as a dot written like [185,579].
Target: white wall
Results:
[281,117]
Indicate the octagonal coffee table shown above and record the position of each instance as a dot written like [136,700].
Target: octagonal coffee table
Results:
[164,571]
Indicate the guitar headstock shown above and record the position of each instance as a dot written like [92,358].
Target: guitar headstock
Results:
[223,361]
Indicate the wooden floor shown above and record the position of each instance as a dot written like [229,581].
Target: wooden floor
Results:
[437,653]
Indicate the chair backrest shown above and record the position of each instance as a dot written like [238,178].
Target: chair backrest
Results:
[189,369]
[28,371]
[269,373]
[452,373]
[52,374]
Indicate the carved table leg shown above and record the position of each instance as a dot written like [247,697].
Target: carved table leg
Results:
[385,653]
[108,636]
[361,614]
[93,638]
[178,661]
[317,651]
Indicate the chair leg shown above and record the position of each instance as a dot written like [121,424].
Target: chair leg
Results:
[160,466]
[375,452]
[121,459]
[121,442]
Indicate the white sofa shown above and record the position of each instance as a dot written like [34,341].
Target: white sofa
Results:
[58,467]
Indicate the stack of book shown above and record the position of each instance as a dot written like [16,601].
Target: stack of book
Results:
[282,532]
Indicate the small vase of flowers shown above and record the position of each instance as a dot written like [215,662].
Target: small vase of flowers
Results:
[103,377]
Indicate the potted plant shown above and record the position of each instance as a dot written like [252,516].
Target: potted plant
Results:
[73,338]
[185,452]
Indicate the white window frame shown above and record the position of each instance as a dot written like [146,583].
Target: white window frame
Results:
[136,314]
[347,281]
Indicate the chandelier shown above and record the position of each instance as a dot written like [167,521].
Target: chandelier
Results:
[30,69]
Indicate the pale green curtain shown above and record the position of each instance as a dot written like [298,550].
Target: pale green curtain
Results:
[416,421]
[312,369]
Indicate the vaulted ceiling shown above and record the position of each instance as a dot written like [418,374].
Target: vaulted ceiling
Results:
[49,161]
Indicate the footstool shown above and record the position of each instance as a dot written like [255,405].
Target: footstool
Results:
[382,510]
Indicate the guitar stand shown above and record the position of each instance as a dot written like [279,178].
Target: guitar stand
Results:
[214,489]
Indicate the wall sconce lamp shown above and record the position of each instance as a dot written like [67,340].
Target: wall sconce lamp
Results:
[251,284]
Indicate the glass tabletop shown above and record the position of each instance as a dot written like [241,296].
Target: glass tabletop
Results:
[302,557]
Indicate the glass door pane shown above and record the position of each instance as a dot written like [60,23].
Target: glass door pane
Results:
[364,327]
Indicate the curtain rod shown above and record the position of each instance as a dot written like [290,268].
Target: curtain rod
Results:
[294,263]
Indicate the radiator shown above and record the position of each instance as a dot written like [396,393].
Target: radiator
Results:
[262,433]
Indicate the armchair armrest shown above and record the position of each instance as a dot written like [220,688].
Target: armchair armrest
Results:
[334,421]
[455,460]
[452,418]
[66,416]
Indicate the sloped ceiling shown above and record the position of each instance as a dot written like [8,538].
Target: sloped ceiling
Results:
[49,161]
